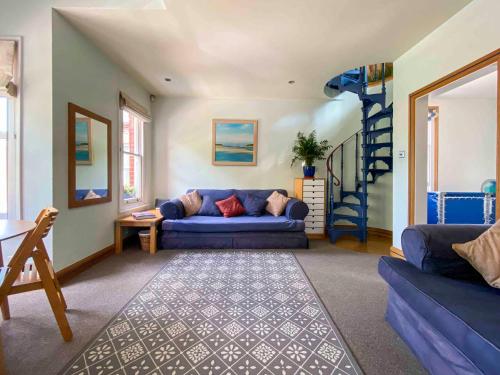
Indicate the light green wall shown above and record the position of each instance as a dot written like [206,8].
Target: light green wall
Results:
[84,76]
[470,34]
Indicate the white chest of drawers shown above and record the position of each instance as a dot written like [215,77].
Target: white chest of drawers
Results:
[313,193]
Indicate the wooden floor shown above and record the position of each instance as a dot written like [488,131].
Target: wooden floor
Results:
[375,244]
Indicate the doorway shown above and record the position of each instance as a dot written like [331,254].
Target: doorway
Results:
[454,139]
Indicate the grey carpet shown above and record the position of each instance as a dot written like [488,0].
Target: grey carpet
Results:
[346,281]
[221,313]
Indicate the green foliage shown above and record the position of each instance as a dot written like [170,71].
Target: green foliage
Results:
[308,149]
[129,190]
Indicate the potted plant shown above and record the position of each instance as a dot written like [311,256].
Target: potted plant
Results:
[308,149]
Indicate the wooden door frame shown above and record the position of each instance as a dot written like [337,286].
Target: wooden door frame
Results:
[436,147]
[489,59]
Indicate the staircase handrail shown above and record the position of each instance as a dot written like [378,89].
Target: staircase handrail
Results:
[329,160]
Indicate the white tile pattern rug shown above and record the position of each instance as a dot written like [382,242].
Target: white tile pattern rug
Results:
[221,312]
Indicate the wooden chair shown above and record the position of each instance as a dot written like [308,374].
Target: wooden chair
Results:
[20,276]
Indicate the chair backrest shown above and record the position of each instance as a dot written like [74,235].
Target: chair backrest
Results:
[51,213]
[44,223]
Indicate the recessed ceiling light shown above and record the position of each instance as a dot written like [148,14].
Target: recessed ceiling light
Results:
[167,79]
[291,82]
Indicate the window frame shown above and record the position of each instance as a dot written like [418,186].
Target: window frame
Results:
[136,203]
[14,144]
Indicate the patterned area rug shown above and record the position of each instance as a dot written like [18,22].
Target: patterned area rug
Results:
[231,313]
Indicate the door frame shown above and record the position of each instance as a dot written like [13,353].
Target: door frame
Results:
[435,151]
[489,59]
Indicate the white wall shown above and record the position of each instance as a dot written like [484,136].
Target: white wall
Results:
[470,34]
[84,76]
[421,131]
[467,145]
[183,144]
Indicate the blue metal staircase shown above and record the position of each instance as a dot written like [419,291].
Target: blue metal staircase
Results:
[375,156]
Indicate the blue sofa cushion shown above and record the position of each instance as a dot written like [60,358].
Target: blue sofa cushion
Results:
[254,205]
[172,209]
[466,313]
[219,194]
[208,224]
[208,207]
[428,247]
[296,210]
[80,194]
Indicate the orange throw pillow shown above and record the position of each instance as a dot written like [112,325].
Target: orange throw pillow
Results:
[483,254]
[276,203]
[231,206]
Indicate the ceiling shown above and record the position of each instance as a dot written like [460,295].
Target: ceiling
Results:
[252,48]
[483,87]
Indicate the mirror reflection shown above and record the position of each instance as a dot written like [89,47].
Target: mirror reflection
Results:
[91,157]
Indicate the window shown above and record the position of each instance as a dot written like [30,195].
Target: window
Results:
[132,158]
[3,157]
[9,81]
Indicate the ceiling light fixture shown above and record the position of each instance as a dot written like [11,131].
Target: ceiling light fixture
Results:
[291,82]
[168,79]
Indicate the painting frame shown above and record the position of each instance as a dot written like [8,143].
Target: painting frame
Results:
[87,121]
[217,147]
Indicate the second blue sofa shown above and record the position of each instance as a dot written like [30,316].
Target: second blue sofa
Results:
[441,307]
[241,232]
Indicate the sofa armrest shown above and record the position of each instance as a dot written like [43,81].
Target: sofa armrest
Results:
[172,209]
[428,247]
[296,209]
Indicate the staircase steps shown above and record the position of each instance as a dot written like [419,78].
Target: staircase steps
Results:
[372,134]
[355,81]
[372,147]
[358,208]
[357,220]
[337,231]
[369,100]
[356,194]
[382,114]
[376,173]
[385,159]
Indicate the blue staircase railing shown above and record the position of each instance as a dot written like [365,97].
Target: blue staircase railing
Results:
[367,150]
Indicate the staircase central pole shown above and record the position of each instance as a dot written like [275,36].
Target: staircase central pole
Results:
[364,182]
[356,176]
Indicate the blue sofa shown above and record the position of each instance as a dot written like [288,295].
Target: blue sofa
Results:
[440,306]
[241,232]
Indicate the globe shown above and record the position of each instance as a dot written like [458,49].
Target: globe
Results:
[489,187]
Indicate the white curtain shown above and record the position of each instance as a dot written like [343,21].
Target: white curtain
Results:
[8,67]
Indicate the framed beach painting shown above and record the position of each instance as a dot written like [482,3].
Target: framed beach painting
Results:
[83,141]
[234,142]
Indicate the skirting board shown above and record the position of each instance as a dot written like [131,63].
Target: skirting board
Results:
[379,232]
[397,253]
[67,273]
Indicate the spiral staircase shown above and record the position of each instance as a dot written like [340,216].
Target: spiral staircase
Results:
[372,153]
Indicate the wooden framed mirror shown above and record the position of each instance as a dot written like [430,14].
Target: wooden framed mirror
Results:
[89,158]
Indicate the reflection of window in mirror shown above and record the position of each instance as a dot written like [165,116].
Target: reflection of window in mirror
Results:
[132,134]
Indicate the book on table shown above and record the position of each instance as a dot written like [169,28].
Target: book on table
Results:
[143,215]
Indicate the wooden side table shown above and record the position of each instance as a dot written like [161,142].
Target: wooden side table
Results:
[129,221]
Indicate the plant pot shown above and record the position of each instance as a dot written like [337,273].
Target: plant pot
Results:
[309,171]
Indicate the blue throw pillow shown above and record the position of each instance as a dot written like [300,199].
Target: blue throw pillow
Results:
[208,207]
[254,205]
